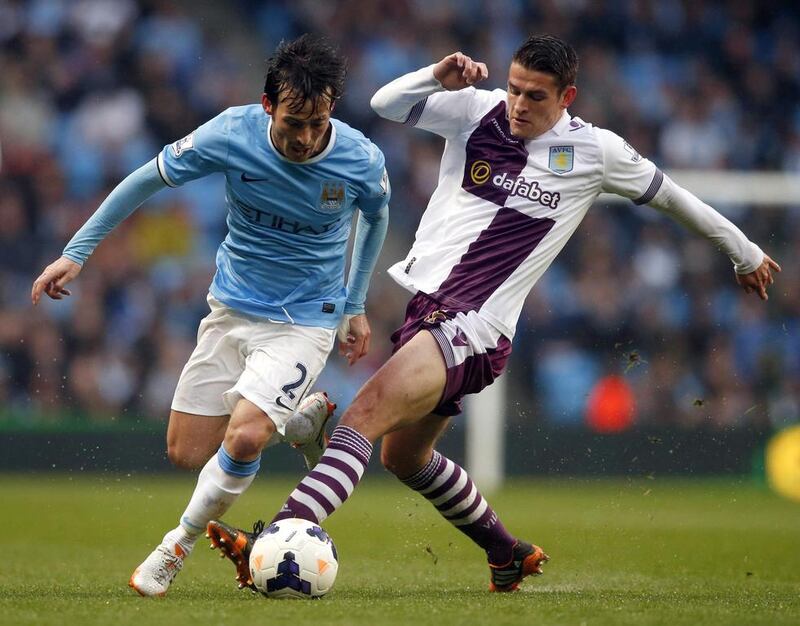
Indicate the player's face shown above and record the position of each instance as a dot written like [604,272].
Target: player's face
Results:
[535,103]
[299,133]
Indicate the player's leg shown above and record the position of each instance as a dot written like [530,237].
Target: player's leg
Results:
[407,450]
[404,390]
[256,372]
[410,455]
[277,376]
[224,376]
[224,477]
[230,471]
[475,354]
[193,439]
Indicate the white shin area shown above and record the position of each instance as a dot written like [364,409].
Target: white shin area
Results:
[214,494]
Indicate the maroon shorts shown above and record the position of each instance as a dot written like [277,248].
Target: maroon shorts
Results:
[474,352]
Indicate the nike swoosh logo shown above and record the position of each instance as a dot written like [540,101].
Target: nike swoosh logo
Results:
[247,179]
[280,403]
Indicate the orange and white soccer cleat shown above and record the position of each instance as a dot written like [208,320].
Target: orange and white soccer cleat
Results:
[527,559]
[236,544]
[156,573]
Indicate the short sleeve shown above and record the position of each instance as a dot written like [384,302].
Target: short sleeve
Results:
[375,190]
[200,153]
[626,172]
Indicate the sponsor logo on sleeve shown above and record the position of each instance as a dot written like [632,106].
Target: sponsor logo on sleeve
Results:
[384,182]
[635,156]
[182,145]
[562,159]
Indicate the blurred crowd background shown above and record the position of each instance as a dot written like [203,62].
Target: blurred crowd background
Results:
[634,306]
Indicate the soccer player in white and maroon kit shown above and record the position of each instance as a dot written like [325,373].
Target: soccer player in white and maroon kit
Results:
[517,176]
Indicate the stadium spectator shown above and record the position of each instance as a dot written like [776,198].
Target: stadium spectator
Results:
[170,64]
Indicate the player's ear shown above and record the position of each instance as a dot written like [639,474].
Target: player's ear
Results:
[266,104]
[568,95]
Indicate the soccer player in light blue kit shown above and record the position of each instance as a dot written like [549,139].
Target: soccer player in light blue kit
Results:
[294,178]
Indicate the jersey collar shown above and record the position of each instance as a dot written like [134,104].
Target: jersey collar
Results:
[314,159]
[559,128]
[561,125]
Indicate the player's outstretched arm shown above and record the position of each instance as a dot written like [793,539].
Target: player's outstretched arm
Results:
[630,175]
[752,266]
[395,100]
[120,203]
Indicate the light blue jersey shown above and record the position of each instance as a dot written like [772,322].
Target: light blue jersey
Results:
[288,223]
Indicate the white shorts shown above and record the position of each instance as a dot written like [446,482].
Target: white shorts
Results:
[271,364]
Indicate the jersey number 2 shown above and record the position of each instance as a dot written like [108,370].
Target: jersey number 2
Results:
[289,388]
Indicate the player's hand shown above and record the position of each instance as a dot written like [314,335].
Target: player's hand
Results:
[759,279]
[354,336]
[53,279]
[457,71]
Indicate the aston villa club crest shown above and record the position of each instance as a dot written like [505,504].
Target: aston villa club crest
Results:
[332,196]
[562,159]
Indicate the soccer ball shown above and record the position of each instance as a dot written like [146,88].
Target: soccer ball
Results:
[293,558]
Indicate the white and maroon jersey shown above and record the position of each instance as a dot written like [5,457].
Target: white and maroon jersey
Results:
[505,207]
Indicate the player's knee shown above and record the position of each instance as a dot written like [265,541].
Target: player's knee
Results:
[245,440]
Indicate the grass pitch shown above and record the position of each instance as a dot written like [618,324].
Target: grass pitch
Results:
[623,552]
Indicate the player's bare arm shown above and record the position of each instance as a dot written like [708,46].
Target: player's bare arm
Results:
[759,279]
[457,71]
[54,279]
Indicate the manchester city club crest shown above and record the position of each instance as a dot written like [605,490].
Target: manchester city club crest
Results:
[562,158]
[332,196]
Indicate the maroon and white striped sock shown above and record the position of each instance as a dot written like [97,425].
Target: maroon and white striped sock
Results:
[332,480]
[448,487]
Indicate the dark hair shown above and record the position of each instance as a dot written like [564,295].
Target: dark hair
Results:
[308,68]
[551,55]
